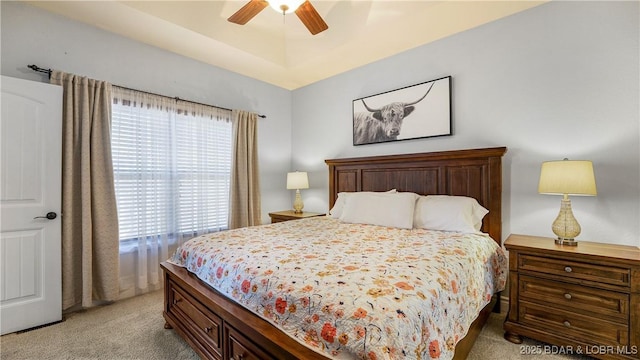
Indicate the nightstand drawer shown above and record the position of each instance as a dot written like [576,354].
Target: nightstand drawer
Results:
[572,325]
[575,270]
[277,219]
[600,303]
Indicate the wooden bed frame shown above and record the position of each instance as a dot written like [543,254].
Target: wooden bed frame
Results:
[218,328]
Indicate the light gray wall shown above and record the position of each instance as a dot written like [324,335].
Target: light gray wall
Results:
[559,80]
[34,36]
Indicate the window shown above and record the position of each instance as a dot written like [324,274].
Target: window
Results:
[172,167]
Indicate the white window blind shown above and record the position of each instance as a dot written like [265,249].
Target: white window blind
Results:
[172,167]
[203,171]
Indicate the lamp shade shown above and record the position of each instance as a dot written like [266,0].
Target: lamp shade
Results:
[571,177]
[297,180]
[286,6]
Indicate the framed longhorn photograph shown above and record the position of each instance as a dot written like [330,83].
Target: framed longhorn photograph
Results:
[418,111]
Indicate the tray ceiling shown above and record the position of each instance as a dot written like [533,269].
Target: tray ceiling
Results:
[278,49]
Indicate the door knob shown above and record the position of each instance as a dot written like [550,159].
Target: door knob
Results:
[50,215]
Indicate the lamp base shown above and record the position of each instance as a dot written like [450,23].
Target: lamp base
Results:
[566,226]
[568,242]
[298,205]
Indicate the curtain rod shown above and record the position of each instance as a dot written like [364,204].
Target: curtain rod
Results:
[36,68]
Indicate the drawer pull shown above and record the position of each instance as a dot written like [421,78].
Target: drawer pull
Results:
[567,323]
[207,329]
[176,301]
[567,296]
[237,357]
[568,269]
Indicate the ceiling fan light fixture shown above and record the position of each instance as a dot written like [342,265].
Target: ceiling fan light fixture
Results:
[285,6]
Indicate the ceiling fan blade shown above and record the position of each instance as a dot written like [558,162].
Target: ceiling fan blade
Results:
[247,12]
[311,19]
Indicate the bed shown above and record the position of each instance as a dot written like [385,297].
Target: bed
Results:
[217,327]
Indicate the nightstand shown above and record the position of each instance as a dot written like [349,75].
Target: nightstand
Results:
[287,215]
[583,298]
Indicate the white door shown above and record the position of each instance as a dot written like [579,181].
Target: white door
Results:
[30,183]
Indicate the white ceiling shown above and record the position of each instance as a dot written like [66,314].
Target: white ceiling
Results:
[278,49]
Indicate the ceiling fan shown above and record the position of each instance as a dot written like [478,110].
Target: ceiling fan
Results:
[303,8]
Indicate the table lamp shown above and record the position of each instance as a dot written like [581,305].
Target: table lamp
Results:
[567,177]
[297,180]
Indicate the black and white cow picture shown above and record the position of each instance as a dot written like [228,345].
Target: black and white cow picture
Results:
[384,123]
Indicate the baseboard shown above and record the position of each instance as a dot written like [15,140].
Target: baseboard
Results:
[504,303]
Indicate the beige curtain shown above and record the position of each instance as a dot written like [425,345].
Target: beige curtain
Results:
[89,215]
[245,181]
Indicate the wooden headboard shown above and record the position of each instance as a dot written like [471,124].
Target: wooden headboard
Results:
[475,173]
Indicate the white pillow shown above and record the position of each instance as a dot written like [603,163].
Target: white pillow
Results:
[449,213]
[384,209]
[336,210]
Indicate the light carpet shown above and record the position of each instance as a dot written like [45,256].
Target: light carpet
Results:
[133,329]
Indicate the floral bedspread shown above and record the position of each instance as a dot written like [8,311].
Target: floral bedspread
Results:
[354,291]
